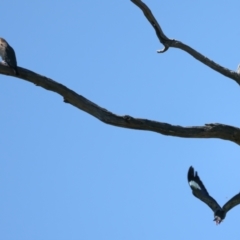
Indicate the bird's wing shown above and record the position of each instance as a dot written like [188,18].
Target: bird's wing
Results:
[11,57]
[232,203]
[199,190]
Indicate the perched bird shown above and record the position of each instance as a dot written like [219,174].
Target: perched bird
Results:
[8,55]
[199,191]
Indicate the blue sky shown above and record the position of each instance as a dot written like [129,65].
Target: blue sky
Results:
[66,175]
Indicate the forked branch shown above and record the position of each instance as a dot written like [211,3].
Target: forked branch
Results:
[177,44]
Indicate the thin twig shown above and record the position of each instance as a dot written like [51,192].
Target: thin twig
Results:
[177,44]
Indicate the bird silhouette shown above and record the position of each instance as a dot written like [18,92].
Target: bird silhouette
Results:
[200,192]
[8,55]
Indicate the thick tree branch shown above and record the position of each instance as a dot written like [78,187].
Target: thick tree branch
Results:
[208,131]
[177,44]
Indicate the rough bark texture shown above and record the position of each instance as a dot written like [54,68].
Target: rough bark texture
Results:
[213,130]
[208,131]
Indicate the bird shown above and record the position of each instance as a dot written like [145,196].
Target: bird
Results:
[200,192]
[8,55]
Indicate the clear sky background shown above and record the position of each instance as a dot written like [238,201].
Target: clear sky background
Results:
[66,175]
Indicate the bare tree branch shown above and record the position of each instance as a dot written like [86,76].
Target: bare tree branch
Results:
[177,44]
[220,131]
[208,131]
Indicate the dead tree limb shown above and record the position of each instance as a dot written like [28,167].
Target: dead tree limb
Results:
[167,42]
[215,130]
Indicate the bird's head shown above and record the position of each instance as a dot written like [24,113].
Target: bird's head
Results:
[217,219]
[219,215]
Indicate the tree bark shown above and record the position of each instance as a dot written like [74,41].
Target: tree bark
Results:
[213,130]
